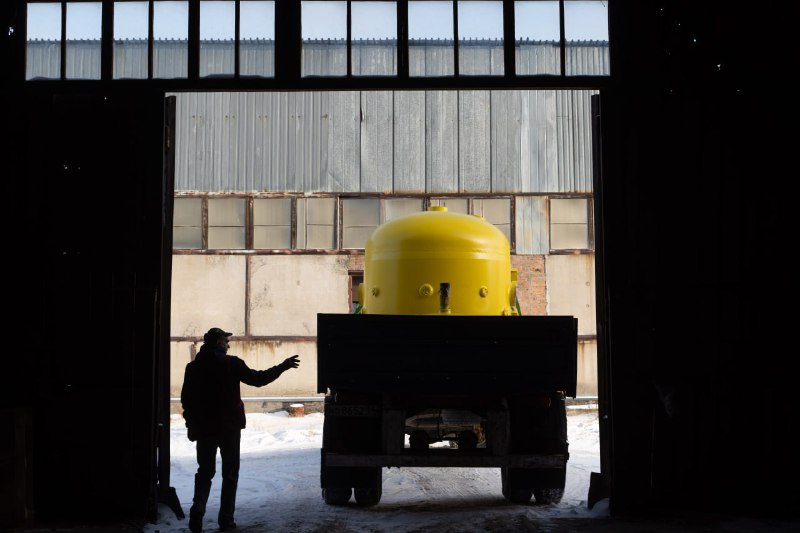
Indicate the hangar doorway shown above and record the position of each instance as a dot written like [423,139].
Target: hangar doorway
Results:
[275,194]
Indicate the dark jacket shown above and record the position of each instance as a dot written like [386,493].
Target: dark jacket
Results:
[212,401]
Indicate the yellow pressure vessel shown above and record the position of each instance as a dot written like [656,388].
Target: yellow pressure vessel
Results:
[437,262]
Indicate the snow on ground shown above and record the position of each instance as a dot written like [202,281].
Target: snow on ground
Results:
[279,486]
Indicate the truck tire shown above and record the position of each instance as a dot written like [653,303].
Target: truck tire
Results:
[511,491]
[370,490]
[419,440]
[336,495]
[367,496]
[467,440]
[546,496]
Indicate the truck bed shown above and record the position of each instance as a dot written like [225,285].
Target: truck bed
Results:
[447,355]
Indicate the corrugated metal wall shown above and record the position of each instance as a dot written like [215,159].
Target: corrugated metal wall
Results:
[385,141]
[532,236]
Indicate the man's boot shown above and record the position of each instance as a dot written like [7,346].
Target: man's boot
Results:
[202,487]
[195,522]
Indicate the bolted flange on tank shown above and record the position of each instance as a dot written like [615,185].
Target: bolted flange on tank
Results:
[437,262]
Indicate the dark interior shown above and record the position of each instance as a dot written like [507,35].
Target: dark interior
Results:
[692,236]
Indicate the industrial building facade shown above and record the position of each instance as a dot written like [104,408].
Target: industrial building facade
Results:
[276,194]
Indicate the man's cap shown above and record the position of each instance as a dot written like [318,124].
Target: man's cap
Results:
[214,334]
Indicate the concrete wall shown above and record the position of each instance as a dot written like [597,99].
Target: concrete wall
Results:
[587,367]
[570,289]
[207,291]
[285,293]
[269,303]
[260,355]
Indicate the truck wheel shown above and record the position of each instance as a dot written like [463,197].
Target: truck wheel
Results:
[370,489]
[367,496]
[512,493]
[419,440]
[519,495]
[336,495]
[467,440]
[545,496]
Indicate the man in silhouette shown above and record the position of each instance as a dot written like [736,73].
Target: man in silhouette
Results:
[214,414]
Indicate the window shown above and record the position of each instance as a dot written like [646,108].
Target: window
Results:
[398,207]
[360,217]
[373,47]
[217,38]
[496,211]
[430,46]
[257,38]
[272,223]
[537,37]
[84,29]
[569,224]
[170,39]
[226,223]
[356,279]
[586,26]
[282,223]
[480,38]
[131,34]
[43,41]
[316,223]
[453,205]
[324,34]
[187,224]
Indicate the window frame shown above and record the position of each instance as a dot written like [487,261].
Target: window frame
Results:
[426,201]
[288,45]
[590,243]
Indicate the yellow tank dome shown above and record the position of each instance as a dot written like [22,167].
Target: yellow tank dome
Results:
[437,262]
